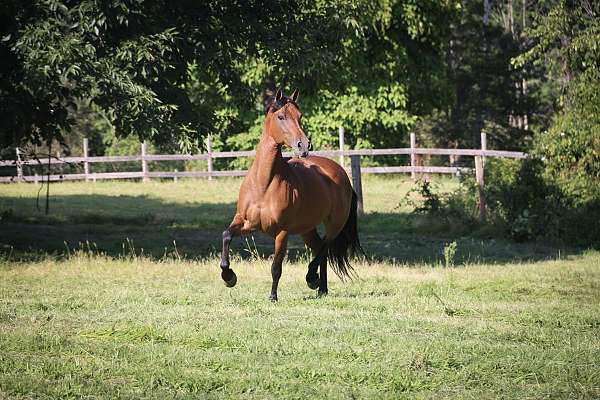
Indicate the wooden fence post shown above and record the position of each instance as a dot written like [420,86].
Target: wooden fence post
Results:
[209,160]
[341,140]
[145,177]
[86,164]
[19,166]
[483,144]
[479,172]
[413,156]
[357,181]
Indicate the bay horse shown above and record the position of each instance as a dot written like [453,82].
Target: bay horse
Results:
[293,196]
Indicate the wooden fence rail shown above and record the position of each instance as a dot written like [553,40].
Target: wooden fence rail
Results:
[355,167]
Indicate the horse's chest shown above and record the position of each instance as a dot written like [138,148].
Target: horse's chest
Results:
[265,214]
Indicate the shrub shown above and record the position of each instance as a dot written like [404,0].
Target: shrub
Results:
[526,203]
[451,211]
[520,199]
[430,202]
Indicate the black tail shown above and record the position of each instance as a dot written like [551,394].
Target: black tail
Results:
[346,244]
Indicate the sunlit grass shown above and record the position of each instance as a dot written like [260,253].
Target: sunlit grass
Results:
[132,327]
[117,293]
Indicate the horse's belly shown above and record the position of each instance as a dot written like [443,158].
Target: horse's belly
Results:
[296,212]
[299,228]
[312,207]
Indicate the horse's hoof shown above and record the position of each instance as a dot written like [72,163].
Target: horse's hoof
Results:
[273,298]
[229,277]
[312,280]
[321,293]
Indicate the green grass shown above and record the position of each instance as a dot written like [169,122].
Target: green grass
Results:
[93,318]
[92,326]
[191,215]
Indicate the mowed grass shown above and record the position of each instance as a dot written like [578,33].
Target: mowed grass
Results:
[117,294]
[98,327]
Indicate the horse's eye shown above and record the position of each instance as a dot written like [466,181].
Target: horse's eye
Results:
[281,117]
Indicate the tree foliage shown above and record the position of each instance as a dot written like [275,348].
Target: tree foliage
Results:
[557,191]
[567,40]
[176,71]
[372,69]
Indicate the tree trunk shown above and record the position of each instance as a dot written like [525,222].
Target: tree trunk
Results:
[511,18]
[487,7]
[524,78]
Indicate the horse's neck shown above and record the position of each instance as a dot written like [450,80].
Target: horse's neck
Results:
[268,162]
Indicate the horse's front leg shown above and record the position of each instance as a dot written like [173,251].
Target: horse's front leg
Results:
[280,248]
[236,228]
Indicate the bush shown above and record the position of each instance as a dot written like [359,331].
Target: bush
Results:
[520,199]
[429,201]
[452,211]
[526,203]
[570,151]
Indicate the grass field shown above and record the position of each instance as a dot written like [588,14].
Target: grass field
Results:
[189,217]
[104,320]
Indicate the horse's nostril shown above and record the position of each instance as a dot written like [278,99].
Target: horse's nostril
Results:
[299,145]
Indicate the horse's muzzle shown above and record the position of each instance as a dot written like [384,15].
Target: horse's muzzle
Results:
[302,149]
[301,153]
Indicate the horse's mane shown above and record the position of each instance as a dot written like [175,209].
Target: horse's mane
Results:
[276,105]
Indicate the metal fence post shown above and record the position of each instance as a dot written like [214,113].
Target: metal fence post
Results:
[413,156]
[479,173]
[357,181]
[86,164]
[145,177]
[209,161]
[341,140]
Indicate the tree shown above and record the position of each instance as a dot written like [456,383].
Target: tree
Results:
[488,92]
[374,72]
[565,42]
[133,60]
[556,191]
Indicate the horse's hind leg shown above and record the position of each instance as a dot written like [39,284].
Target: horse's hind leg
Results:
[323,290]
[319,250]
[236,228]
[279,254]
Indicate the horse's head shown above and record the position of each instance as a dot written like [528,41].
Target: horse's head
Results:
[283,123]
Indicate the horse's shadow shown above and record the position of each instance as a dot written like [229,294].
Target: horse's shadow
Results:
[121,225]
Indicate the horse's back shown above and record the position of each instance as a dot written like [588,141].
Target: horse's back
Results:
[322,166]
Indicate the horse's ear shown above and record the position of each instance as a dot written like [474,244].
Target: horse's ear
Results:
[295,95]
[278,95]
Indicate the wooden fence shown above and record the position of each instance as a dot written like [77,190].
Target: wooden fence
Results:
[355,166]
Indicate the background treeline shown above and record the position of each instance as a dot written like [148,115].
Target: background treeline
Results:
[526,72]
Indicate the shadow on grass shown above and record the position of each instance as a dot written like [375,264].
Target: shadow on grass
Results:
[121,225]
